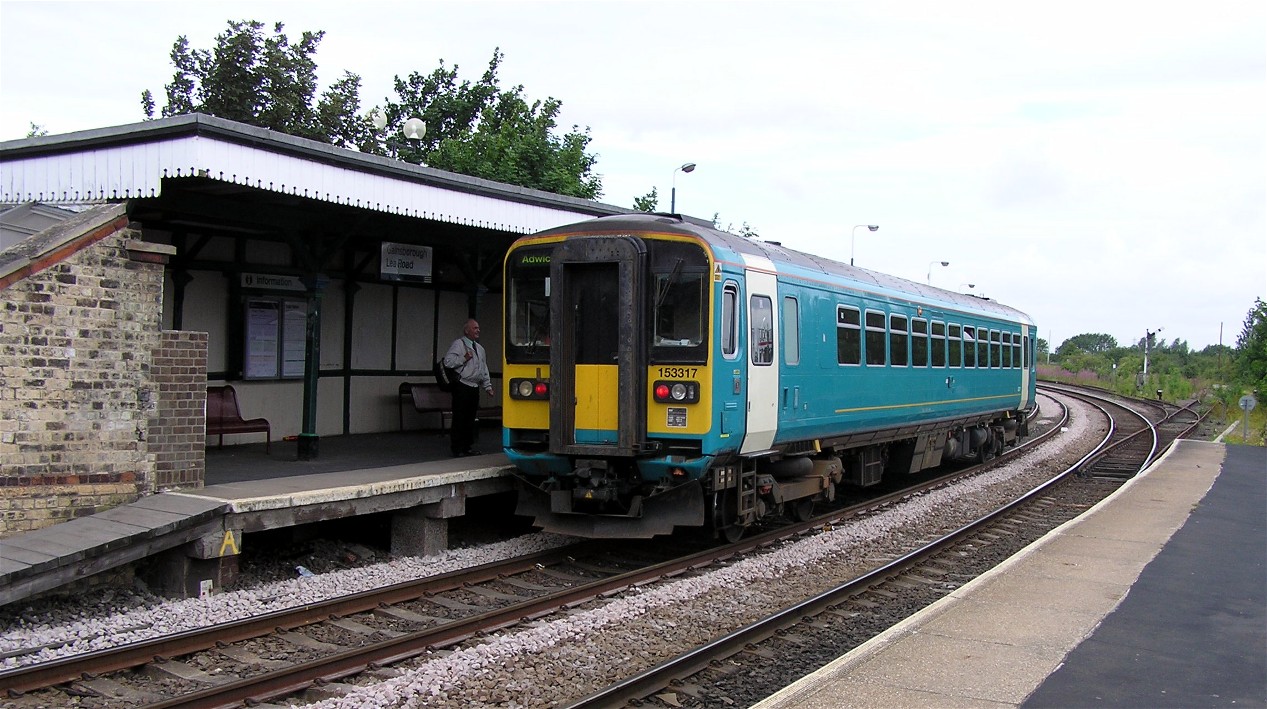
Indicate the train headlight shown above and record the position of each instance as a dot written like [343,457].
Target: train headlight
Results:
[529,389]
[669,392]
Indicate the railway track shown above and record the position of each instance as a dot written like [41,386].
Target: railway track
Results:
[739,668]
[1141,430]
[376,629]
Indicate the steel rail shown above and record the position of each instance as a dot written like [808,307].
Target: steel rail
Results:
[340,665]
[37,676]
[689,663]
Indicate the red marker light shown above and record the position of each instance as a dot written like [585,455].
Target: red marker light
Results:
[540,389]
[662,391]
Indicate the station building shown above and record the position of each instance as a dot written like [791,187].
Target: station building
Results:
[142,264]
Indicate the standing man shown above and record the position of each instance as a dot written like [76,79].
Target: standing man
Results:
[467,356]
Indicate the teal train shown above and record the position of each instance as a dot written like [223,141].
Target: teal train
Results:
[661,373]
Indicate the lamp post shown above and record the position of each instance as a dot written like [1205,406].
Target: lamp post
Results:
[684,167]
[930,269]
[853,235]
[970,287]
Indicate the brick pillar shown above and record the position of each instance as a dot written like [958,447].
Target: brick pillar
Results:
[177,430]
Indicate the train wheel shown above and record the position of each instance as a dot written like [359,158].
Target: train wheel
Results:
[724,524]
[803,509]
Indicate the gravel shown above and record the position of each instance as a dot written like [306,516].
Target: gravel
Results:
[573,656]
[576,653]
[75,626]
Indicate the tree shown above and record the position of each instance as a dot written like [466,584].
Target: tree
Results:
[266,82]
[1094,343]
[472,128]
[477,129]
[647,202]
[36,131]
[1251,347]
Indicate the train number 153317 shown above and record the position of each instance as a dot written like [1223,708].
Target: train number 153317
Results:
[678,372]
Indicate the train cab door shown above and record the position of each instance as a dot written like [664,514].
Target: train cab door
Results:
[598,358]
[1027,357]
[762,368]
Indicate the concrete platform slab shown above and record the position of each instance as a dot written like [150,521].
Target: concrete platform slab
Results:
[1154,597]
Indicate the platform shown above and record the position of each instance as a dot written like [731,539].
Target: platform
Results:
[1156,597]
[197,533]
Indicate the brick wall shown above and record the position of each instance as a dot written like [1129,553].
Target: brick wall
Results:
[177,432]
[79,329]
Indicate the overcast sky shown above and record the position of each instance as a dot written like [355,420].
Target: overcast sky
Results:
[1099,165]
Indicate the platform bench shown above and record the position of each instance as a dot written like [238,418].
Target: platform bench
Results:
[224,416]
[428,398]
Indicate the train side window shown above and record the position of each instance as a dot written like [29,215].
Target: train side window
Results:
[762,329]
[848,335]
[1026,351]
[791,331]
[874,348]
[1007,350]
[898,337]
[919,343]
[983,348]
[969,346]
[1017,354]
[996,350]
[730,319]
[955,344]
[939,344]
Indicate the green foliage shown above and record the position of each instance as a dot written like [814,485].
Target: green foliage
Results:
[1174,368]
[478,129]
[1090,342]
[473,128]
[647,202]
[1251,348]
[263,81]
[36,131]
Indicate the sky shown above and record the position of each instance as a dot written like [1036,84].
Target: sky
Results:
[1098,165]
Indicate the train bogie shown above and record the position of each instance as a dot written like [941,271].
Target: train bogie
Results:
[663,374]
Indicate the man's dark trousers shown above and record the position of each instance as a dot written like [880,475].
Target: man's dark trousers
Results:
[466,402]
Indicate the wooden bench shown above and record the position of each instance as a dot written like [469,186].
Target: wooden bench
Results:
[427,398]
[224,416]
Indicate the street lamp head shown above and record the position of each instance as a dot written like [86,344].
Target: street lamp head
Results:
[687,167]
[414,129]
[873,227]
[945,263]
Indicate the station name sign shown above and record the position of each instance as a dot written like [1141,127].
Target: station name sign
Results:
[401,261]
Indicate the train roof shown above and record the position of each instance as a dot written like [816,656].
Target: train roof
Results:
[807,265]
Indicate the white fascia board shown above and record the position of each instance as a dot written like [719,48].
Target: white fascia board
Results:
[117,172]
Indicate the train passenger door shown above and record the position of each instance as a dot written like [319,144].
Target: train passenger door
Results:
[1027,356]
[598,354]
[763,370]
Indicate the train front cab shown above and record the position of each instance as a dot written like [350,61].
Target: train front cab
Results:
[608,369]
